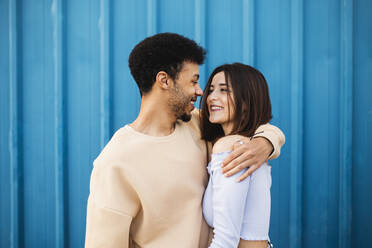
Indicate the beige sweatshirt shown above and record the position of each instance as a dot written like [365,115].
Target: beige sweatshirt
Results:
[147,191]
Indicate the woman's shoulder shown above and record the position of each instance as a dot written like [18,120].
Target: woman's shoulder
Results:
[226,143]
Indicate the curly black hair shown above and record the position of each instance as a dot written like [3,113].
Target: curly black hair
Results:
[162,52]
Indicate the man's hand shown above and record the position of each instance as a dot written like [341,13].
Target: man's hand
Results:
[249,154]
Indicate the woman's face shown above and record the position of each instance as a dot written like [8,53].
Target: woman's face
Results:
[220,102]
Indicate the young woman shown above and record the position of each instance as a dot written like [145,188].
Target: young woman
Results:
[235,103]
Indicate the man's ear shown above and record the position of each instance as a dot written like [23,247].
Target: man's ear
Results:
[162,79]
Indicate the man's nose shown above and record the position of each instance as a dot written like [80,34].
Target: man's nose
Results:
[198,90]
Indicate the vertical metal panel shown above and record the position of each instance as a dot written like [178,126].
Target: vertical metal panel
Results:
[346,103]
[321,122]
[5,169]
[83,117]
[200,34]
[70,87]
[273,57]
[105,65]
[224,26]
[200,25]
[152,21]
[200,12]
[14,142]
[127,31]
[168,13]
[38,124]
[362,125]
[59,122]
[295,197]
[248,32]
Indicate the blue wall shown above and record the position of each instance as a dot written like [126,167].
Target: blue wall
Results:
[66,87]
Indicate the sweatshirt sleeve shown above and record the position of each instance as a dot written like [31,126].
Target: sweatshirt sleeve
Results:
[112,204]
[272,134]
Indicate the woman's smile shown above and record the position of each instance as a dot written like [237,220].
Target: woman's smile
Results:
[220,101]
[214,108]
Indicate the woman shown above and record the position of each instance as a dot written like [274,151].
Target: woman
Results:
[235,103]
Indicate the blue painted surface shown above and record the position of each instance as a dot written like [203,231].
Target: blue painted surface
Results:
[4,128]
[66,87]
[362,126]
[321,123]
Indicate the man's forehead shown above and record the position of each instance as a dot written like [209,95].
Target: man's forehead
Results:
[191,68]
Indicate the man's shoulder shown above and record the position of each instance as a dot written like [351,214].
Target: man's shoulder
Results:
[121,138]
[117,148]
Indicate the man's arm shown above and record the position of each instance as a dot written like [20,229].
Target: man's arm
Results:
[112,204]
[266,144]
[106,227]
[274,135]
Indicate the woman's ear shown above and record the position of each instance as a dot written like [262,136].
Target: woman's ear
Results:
[162,80]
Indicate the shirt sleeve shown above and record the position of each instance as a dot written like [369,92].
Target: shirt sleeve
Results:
[228,201]
[112,204]
[272,134]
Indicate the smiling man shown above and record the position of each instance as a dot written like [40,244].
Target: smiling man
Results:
[148,182]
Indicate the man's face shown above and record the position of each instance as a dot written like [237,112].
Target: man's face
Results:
[185,91]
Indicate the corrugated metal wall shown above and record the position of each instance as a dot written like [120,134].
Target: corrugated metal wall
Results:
[66,87]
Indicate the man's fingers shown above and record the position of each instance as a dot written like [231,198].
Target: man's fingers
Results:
[248,173]
[239,148]
[233,164]
[232,156]
[234,170]
[238,167]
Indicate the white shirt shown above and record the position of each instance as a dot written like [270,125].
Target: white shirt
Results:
[237,210]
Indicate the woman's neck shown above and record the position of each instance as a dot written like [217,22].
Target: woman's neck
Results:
[227,128]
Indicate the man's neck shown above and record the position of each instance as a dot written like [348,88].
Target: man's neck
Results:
[155,118]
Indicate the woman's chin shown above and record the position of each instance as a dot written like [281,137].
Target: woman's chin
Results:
[214,121]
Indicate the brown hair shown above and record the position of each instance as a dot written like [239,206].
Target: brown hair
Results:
[251,100]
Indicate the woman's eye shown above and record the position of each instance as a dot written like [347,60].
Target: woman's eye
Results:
[224,89]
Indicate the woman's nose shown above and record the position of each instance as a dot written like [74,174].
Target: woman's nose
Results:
[212,95]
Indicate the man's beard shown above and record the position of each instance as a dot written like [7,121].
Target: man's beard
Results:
[185,117]
[179,103]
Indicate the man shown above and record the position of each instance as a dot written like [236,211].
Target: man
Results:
[148,182]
